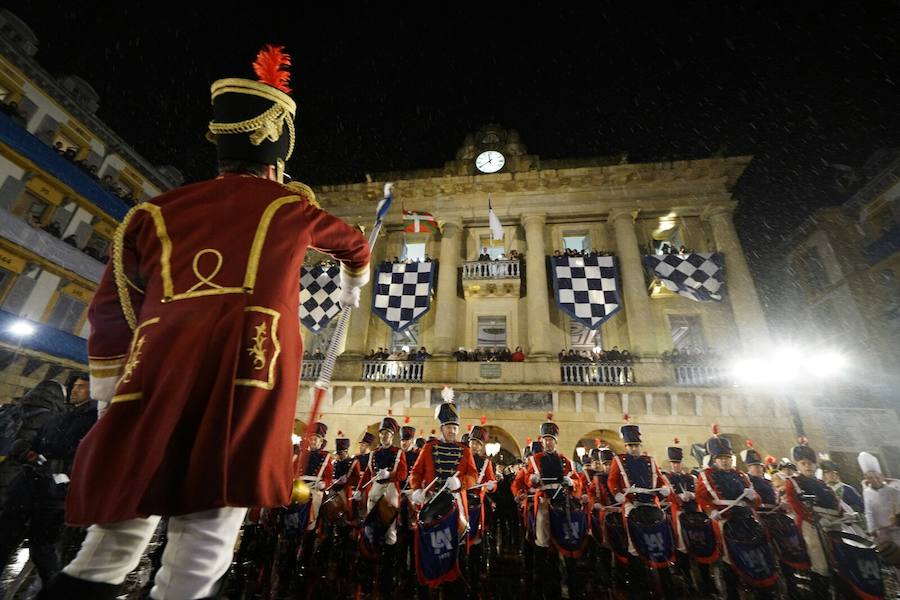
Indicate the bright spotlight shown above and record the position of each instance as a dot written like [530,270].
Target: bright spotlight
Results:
[748,371]
[826,364]
[580,451]
[21,329]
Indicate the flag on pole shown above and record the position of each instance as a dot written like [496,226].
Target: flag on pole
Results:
[385,203]
[494,222]
[420,222]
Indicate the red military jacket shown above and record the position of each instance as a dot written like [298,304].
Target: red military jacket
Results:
[396,464]
[423,472]
[716,488]
[534,467]
[197,317]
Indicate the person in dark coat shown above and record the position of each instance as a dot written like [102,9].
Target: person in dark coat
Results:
[33,505]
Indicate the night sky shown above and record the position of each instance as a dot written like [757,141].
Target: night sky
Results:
[802,86]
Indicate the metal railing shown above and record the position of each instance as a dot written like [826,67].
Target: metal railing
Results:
[497,269]
[596,373]
[701,375]
[392,370]
[310,369]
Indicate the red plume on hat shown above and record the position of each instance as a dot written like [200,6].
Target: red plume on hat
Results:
[390,411]
[483,419]
[469,427]
[550,416]
[528,441]
[749,443]
[626,416]
[406,420]
[676,441]
[715,429]
[802,440]
[598,442]
[771,460]
[271,66]
[340,433]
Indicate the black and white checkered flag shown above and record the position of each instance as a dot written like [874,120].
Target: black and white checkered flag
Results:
[319,292]
[586,287]
[698,276]
[402,293]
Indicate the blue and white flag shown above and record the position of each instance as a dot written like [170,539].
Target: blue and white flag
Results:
[698,276]
[402,292]
[319,292]
[586,287]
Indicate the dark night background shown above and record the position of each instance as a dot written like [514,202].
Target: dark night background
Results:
[801,86]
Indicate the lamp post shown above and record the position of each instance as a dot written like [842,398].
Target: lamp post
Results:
[21,329]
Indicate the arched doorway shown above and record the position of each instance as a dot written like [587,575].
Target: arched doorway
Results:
[609,438]
[509,450]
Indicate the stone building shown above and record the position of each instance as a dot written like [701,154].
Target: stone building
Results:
[66,180]
[606,204]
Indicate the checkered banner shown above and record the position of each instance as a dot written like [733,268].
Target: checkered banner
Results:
[586,287]
[698,276]
[320,289]
[402,292]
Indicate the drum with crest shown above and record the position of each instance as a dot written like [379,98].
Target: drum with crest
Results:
[651,535]
[568,524]
[335,507]
[699,536]
[747,548]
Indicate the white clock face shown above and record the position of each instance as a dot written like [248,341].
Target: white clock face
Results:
[490,161]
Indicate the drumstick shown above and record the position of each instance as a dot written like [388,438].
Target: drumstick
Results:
[736,500]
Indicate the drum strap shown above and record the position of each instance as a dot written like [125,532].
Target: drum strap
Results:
[318,475]
[483,471]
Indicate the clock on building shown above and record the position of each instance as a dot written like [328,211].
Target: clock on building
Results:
[489,161]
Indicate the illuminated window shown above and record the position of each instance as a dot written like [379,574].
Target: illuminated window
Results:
[494,247]
[408,337]
[491,332]
[577,241]
[30,205]
[687,332]
[414,252]
[670,245]
[21,289]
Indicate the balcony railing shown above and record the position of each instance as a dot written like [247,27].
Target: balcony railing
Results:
[596,373]
[701,375]
[392,370]
[310,369]
[498,269]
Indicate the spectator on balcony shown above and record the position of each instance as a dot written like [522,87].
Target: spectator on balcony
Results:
[422,354]
[370,355]
[427,259]
[92,252]
[53,229]
[505,355]
[12,109]
[614,355]
[484,256]
[518,355]
[317,355]
[71,240]
[461,355]
[627,357]
[306,355]
[58,146]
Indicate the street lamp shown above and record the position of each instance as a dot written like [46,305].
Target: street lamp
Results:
[580,451]
[492,448]
[21,329]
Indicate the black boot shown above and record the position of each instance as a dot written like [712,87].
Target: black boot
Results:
[66,587]
[821,585]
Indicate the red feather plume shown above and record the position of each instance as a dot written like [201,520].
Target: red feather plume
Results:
[433,431]
[528,441]
[715,429]
[483,419]
[340,433]
[271,66]
[677,441]
[550,416]
[406,420]
[802,440]
[598,442]
[626,416]
[469,427]
[749,443]
[771,460]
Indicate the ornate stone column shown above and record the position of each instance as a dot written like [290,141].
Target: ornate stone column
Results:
[537,298]
[445,325]
[634,289]
[748,313]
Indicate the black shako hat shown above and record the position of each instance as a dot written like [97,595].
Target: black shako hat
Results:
[675,453]
[446,411]
[253,121]
[341,442]
[549,428]
[803,452]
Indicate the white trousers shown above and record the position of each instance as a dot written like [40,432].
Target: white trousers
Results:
[389,491]
[198,552]
[542,524]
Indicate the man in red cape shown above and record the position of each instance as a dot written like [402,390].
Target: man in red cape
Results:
[195,353]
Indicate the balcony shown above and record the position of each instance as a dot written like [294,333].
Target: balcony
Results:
[701,375]
[393,370]
[495,279]
[310,369]
[887,244]
[596,373]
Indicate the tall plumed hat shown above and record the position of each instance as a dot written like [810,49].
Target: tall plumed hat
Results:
[630,433]
[253,121]
[675,453]
[367,438]
[751,456]
[446,412]
[718,446]
[549,428]
[341,442]
[389,423]
[802,451]
[407,432]
[480,432]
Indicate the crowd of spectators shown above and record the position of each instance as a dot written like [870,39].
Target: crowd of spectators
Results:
[107,182]
[406,261]
[403,353]
[11,110]
[55,229]
[581,253]
[596,356]
[490,355]
[692,356]
[486,257]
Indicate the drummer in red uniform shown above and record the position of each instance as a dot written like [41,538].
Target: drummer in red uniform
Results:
[479,511]
[195,350]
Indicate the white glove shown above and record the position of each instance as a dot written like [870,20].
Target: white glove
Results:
[567,481]
[341,480]
[357,496]
[349,297]
[750,494]
[665,491]
[382,474]
[320,485]
[715,516]
[620,497]
[491,486]
[686,496]
[453,484]
[585,499]
[597,506]
[418,497]
[535,479]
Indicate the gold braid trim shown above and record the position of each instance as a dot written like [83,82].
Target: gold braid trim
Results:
[119,270]
[267,126]
[304,190]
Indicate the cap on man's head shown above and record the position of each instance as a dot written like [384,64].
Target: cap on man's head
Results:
[253,121]
[367,438]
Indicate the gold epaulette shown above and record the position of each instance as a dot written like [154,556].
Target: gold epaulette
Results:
[304,190]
